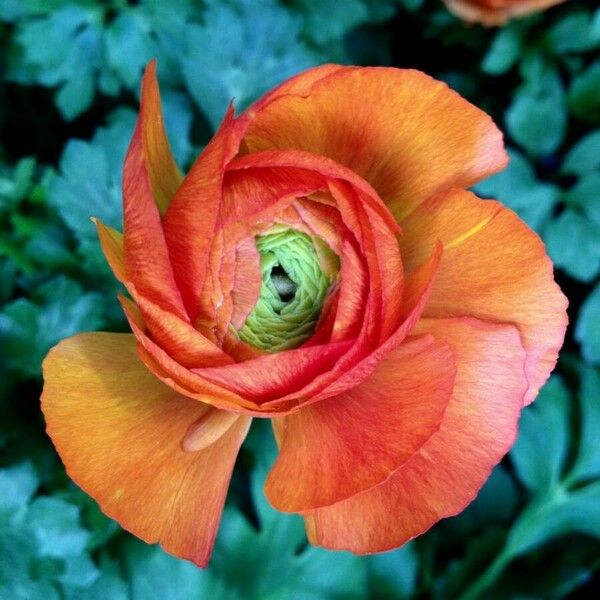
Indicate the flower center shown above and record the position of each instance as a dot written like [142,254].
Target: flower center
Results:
[293,289]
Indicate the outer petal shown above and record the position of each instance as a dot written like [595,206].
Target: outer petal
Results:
[407,134]
[334,449]
[496,12]
[111,242]
[144,240]
[119,432]
[164,174]
[445,475]
[494,268]
[175,335]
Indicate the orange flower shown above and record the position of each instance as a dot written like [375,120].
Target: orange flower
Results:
[496,12]
[322,265]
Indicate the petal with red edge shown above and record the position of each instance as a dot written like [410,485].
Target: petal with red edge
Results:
[404,132]
[164,174]
[478,428]
[494,268]
[190,220]
[119,432]
[336,448]
[146,258]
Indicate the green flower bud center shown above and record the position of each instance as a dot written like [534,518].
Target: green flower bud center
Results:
[292,292]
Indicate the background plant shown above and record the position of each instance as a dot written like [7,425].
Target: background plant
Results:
[69,78]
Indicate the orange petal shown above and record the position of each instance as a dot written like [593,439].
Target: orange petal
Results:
[494,268]
[175,375]
[190,220]
[271,376]
[416,292]
[178,338]
[299,85]
[478,428]
[496,12]
[164,174]
[407,134]
[119,432]
[336,448]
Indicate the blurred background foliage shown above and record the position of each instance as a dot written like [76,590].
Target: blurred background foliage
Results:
[69,80]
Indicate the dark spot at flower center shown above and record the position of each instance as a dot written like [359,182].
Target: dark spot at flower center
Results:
[285,287]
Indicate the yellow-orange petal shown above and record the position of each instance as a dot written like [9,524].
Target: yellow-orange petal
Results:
[119,432]
[478,428]
[111,242]
[333,449]
[494,268]
[496,12]
[408,135]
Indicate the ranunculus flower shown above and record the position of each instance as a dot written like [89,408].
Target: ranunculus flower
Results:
[496,12]
[321,265]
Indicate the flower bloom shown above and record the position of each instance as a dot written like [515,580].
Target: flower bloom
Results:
[322,265]
[496,12]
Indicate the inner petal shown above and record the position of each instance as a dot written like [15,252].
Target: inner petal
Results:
[294,287]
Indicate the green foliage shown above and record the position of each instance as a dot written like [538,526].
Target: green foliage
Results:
[68,101]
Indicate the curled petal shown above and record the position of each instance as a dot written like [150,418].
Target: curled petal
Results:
[176,337]
[190,220]
[407,134]
[440,479]
[144,239]
[336,448]
[119,432]
[494,268]
[165,177]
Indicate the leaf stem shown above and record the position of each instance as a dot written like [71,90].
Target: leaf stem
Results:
[487,578]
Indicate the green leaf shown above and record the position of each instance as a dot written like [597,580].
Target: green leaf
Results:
[17,486]
[17,556]
[540,450]
[129,46]
[155,575]
[394,574]
[537,117]
[326,21]
[573,33]
[259,46]
[574,245]
[505,50]
[62,48]
[79,192]
[58,534]
[28,329]
[557,514]
[281,566]
[585,195]
[109,586]
[587,331]
[584,156]
[518,188]
[587,465]
[584,94]
[16,185]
